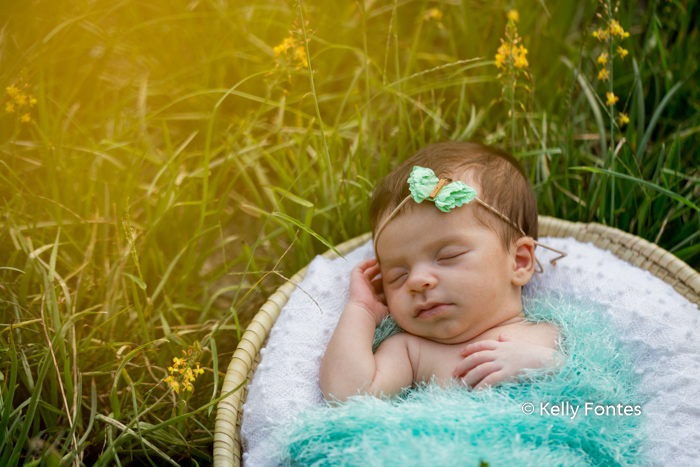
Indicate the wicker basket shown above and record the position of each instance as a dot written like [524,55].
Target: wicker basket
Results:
[637,251]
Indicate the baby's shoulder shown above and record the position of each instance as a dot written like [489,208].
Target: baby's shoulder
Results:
[416,346]
[404,339]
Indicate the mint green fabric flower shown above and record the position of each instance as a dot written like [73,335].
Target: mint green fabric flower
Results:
[423,181]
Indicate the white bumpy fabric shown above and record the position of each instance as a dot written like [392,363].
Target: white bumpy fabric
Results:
[657,325]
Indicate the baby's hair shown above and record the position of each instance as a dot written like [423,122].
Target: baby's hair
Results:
[502,181]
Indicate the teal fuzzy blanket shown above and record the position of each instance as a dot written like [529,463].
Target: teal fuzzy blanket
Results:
[586,413]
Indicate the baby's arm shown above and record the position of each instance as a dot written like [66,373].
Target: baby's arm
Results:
[348,364]
[490,362]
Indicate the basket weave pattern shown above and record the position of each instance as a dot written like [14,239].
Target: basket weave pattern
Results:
[637,251]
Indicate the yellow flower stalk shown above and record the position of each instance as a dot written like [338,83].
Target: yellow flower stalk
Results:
[511,58]
[612,98]
[298,52]
[185,370]
[19,99]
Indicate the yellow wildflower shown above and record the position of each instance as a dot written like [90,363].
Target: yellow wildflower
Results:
[433,13]
[32,101]
[514,15]
[26,118]
[517,52]
[623,118]
[622,52]
[12,91]
[600,34]
[172,383]
[287,43]
[21,99]
[9,107]
[603,59]
[183,372]
[612,98]
[499,61]
[604,74]
[519,56]
[503,52]
[300,54]
[616,29]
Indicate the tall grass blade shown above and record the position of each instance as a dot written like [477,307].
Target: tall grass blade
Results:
[653,186]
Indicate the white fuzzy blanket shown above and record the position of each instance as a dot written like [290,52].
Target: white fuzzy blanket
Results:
[657,325]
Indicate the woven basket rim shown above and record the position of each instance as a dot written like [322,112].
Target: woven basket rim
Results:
[633,249]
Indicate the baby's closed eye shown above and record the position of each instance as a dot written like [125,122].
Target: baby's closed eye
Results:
[450,255]
[394,276]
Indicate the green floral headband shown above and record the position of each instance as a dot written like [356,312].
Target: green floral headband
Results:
[423,185]
[447,195]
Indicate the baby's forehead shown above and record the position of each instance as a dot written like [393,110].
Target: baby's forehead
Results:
[426,228]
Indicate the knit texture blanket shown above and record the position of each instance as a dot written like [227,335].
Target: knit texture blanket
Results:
[657,325]
[586,413]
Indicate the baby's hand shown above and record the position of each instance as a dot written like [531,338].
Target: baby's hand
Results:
[489,362]
[366,289]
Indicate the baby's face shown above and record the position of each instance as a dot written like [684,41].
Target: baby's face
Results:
[446,277]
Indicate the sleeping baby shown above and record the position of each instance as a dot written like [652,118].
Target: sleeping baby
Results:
[455,230]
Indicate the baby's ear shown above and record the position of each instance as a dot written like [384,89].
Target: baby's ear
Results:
[524,261]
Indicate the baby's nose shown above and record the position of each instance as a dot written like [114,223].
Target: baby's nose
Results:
[421,282]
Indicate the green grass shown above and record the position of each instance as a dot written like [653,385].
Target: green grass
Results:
[174,170]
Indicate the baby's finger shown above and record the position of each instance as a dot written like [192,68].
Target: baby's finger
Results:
[478,347]
[491,380]
[480,372]
[362,266]
[472,361]
[372,271]
[377,285]
[506,338]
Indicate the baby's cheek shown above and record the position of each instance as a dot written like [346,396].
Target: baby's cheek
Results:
[393,301]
